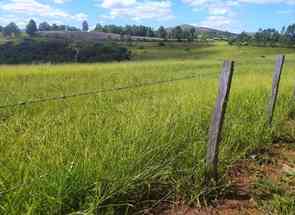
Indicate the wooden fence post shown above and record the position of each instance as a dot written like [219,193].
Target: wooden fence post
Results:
[217,121]
[275,87]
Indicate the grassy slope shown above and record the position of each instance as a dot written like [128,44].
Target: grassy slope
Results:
[124,147]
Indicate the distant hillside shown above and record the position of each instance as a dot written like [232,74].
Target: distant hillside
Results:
[101,36]
[212,33]
[79,36]
[93,36]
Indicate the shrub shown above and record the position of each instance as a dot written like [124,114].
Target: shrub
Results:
[59,51]
[161,44]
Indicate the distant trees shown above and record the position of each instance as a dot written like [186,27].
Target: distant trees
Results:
[178,33]
[72,28]
[85,26]
[98,27]
[31,28]
[267,37]
[59,51]
[1,29]
[162,33]
[44,26]
[11,30]
[290,33]
[192,32]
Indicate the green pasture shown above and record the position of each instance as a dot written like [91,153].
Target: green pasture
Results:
[121,151]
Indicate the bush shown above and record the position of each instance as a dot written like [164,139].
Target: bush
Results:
[59,51]
[161,44]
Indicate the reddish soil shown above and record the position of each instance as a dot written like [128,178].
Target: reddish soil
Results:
[270,164]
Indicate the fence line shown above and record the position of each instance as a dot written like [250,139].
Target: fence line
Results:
[219,112]
[217,121]
[275,87]
[101,91]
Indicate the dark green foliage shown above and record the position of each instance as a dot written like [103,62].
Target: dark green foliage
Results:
[58,51]
[72,28]
[31,28]
[11,30]
[44,26]
[290,33]
[133,30]
[1,28]
[101,52]
[178,33]
[161,44]
[267,37]
[85,26]
[162,33]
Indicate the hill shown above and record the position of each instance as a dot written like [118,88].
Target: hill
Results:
[95,36]
[212,33]
[79,36]
[92,36]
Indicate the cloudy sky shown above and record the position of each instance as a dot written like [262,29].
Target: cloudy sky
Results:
[232,15]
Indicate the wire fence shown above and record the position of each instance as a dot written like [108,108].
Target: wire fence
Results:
[102,91]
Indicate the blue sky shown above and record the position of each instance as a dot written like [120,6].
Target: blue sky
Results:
[231,15]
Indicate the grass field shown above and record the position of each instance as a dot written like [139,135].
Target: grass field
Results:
[114,152]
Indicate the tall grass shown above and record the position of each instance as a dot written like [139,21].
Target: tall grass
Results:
[113,153]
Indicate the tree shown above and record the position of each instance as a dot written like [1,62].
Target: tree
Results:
[72,28]
[31,28]
[162,33]
[85,26]
[54,27]
[283,31]
[44,26]
[192,34]
[243,38]
[1,28]
[11,30]
[98,27]
[178,33]
[204,37]
[290,33]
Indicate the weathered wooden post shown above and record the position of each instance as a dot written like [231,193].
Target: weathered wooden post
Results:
[275,87]
[217,121]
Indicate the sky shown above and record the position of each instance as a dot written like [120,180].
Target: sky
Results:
[230,15]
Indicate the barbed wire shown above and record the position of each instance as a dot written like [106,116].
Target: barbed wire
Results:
[101,91]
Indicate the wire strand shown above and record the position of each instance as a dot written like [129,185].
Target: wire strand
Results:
[101,91]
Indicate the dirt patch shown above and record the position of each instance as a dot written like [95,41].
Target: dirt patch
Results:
[253,183]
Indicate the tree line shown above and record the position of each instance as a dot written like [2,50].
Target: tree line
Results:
[12,30]
[35,50]
[267,37]
[31,50]
[177,33]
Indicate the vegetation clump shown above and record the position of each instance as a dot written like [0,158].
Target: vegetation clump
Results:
[267,37]
[60,51]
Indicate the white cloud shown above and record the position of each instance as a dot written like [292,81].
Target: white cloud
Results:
[138,10]
[220,13]
[60,1]
[117,3]
[217,22]
[268,1]
[35,9]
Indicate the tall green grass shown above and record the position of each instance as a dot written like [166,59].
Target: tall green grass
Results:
[116,152]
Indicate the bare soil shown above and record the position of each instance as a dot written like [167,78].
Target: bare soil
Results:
[245,197]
